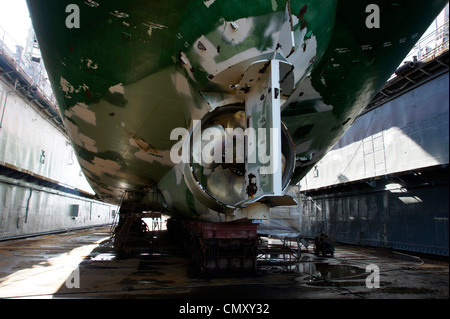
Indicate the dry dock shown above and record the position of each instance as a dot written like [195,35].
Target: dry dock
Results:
[83,264]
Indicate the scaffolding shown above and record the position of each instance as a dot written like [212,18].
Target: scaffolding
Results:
[24,70]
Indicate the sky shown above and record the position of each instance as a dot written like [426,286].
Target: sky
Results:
[15,19]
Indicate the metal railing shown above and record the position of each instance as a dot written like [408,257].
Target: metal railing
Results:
[430,46]
[33,71]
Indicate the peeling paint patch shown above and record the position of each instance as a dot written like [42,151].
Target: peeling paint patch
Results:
[186,63]
[208,62]
[239,35]
[342,50]
[106,166]
[322,107]
[88,143]
[82,87]
[274,5]
[118,88]
[101,166]
[92,3]
[66,87]
[152,158]
[152,26]
[81,111]
[91,65]
[79,139]
[143,145]
[74,133]
[120,14]
[116,95]
[208,3]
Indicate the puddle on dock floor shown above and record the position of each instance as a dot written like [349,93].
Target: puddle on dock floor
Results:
[161,273]
[325,275]
[314,271]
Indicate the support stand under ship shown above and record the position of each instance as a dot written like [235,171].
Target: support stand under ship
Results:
[149,92]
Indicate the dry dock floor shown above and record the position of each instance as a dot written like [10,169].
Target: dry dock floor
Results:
[83,264]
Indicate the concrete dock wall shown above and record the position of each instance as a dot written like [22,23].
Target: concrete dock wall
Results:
[386,182]
[42,187]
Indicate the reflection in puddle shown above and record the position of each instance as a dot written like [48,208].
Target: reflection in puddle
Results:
[104,257]
[312,271]
[326,275]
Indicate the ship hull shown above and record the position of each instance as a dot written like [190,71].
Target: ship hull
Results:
[135,71]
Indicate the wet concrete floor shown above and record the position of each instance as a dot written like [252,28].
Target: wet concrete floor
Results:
[83,264]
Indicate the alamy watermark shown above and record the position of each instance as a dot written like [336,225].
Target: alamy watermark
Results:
[216,145]
[73,19]
[373,20]
[73,281]
[373,280]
